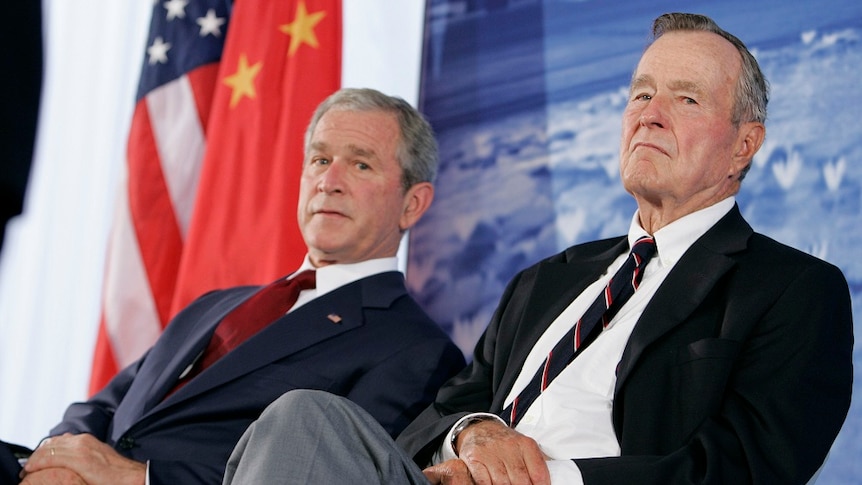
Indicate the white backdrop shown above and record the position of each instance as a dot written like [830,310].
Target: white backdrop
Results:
[52,262]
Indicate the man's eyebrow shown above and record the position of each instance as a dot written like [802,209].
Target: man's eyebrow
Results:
[317,145]
[361,151]
[642,80]
[680,85]
[687,86]
[356,150]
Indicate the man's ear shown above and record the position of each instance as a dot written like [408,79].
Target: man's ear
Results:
[417,200]
[751,136]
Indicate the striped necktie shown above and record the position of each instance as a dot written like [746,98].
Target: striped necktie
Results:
[615,294]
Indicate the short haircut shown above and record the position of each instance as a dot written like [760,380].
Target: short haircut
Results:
[752,89]
[417,147]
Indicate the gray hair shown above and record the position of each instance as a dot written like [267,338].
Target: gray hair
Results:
[752,89]
[417,147]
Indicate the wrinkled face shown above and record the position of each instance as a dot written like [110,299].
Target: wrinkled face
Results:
[351,201]
[678,142]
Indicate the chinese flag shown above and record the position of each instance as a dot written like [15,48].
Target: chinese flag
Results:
[281,59]
[214,157]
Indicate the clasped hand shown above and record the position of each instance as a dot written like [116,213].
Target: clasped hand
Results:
[491,453]
[80,459]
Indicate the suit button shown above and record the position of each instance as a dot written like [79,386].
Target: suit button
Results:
[126,443]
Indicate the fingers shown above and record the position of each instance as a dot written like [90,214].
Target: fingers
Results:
[496,454]
[451,472]
[458,472]
[90,459]
[53,476]
[45,456]
[57,450]
[45,464]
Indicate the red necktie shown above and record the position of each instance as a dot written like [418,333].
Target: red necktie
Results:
[263,308]
[615,294]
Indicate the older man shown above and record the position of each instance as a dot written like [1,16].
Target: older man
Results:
[693,350]
[174,416]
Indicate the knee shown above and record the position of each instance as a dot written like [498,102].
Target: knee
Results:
[305,402]
[305,411]
[294,408]
[300,396]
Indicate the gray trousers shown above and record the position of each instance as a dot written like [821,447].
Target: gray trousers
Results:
[313,437]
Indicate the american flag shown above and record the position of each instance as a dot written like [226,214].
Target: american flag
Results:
[213,159]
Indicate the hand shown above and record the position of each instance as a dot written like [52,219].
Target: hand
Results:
[496,454]
[53,476]
[450,472]
[93,461]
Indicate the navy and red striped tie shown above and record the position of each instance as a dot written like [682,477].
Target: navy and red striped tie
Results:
[618,290]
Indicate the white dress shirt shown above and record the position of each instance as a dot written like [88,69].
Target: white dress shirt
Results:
[334,276]
[582,396]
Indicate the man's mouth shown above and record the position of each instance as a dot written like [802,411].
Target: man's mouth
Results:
[650,146]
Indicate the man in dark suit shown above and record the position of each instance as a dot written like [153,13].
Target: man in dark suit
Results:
[730,363]
[369,165]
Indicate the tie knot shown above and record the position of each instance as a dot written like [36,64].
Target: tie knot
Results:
[644,249]
[305,280]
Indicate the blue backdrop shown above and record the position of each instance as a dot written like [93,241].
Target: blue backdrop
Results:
[526,98]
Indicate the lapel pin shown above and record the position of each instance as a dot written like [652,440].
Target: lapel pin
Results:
[334,318]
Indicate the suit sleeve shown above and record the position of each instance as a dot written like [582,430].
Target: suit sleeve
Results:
[786,397]
[472,390]
[411,377]
[96,415]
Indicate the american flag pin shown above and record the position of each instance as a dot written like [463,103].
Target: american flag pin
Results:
[334,318]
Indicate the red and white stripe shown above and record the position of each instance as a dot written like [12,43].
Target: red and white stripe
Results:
[165,148]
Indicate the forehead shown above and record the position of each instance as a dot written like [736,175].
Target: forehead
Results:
[375,131]
[697,57]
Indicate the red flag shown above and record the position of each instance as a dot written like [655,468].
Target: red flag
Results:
[281,60]
[214,156]
[165,148]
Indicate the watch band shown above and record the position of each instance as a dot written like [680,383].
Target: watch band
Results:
[464,423]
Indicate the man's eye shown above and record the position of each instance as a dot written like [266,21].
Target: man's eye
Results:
[643,97]
[363,166]
[321,161]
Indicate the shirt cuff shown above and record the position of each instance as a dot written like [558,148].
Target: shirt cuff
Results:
[446,451]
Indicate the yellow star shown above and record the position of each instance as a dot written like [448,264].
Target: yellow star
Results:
[242,81]
[301,30]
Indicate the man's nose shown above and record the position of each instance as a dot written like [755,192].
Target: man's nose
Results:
[332,179]
[653,114]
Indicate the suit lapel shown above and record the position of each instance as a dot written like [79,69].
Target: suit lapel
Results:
[181,351]
[337,312]
[557,284]
[686,287]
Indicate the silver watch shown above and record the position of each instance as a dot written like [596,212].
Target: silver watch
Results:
[463,425]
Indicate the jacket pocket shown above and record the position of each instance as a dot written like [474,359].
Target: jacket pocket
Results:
[709,348]
[703,370]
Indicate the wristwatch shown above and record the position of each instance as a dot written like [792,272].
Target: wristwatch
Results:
[467,421]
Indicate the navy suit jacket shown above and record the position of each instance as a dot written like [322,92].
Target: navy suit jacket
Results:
[739,370]
[384,353]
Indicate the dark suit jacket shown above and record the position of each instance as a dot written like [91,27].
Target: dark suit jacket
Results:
[738,371]
[385,354]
